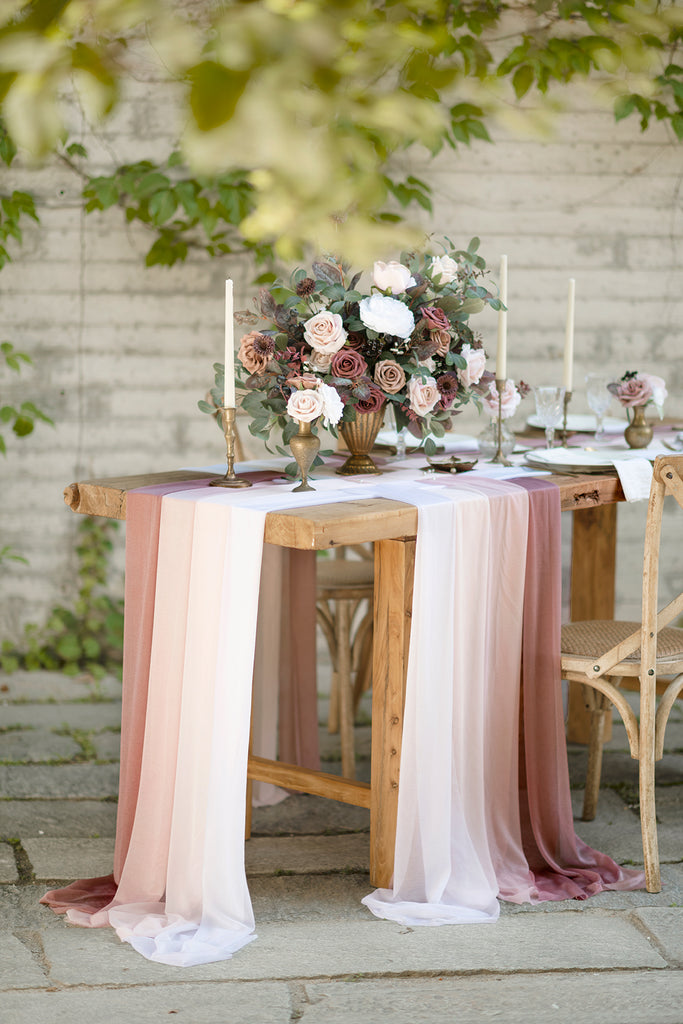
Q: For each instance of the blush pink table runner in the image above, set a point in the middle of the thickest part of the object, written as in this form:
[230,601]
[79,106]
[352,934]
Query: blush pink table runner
[484,808]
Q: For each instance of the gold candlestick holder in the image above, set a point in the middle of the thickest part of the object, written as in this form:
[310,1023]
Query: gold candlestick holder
[563,434]
[230,479]
[499,456]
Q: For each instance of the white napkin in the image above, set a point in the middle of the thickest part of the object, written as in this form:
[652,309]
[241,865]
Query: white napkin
[635,476]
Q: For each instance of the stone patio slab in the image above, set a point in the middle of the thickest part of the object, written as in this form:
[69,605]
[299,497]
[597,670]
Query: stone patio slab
[665,926]
[195,1004]
[64,819]
[60,782]
[70,858]
[18,969]
[8,865]
[307,854]
[337,948]
[618,998]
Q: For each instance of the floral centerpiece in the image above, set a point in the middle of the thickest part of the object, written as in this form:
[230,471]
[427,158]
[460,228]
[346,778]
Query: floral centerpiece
[635,390]
[332,352]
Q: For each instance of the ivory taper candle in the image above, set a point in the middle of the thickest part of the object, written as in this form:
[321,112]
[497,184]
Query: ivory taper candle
[568,374]
[501,353]
[229,385]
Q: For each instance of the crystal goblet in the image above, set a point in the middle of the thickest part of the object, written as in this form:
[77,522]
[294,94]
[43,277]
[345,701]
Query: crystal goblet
[549,409]
[598,398]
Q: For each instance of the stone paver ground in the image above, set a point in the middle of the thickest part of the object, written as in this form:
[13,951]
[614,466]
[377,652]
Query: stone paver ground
[320,956]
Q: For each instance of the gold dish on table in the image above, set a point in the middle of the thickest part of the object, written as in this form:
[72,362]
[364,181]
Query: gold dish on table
[451,465]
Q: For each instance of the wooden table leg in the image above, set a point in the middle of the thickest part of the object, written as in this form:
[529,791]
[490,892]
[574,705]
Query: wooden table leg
[594,545]
[394,566]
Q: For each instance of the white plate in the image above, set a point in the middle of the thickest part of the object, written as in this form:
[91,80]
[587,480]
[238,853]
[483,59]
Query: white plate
[584,423]
[576,460]
[450,442]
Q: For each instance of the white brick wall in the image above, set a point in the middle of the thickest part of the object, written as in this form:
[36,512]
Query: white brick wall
[122,353]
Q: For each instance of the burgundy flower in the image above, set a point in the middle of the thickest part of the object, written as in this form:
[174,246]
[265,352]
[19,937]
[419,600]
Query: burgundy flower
[355,339]
[373,399]
[448,386]
[348,363]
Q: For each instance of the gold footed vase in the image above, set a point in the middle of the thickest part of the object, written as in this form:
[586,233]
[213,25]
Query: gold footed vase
[305,446]
[359,437]
[638,433]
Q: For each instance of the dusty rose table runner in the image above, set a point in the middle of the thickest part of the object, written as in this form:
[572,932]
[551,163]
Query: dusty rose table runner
[484,807]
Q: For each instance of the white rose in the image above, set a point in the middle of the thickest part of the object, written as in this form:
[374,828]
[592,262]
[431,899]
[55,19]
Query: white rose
[333,407]
[392,276]
[387,316]
[304,406]
[659,392]
[422,395]
[325,332]
[476,364]
[445,268]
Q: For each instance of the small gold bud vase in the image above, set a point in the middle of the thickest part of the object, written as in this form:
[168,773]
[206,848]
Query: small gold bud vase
[638,433]
[305,446]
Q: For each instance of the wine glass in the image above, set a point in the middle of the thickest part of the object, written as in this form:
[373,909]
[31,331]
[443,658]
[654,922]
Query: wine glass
[549,409]
[599,399]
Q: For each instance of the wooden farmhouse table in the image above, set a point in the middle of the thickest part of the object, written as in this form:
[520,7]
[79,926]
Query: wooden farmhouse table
[392,526]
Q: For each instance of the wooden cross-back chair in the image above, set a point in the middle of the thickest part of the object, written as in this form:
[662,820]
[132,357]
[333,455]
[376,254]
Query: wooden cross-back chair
[344,609]
[608,657]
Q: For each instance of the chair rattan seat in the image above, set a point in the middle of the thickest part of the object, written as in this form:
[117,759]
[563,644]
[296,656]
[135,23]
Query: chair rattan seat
[591,639]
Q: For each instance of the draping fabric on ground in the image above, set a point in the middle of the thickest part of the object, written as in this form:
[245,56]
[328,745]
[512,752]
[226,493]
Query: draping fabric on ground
[470,825]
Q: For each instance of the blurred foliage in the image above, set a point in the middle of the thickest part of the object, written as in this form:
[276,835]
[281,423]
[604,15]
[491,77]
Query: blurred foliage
[310,98]
[22,419]
[89,636]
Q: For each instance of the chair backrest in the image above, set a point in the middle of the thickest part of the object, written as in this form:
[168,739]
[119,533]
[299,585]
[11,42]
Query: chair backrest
[667,479]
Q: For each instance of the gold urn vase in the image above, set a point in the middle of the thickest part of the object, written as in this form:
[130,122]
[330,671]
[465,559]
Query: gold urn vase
[359,437]
[638,433]
[305,446]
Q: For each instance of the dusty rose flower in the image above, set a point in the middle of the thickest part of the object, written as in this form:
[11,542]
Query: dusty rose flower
[320,361]
[348,363]
[510,400]
[303,380]
[254,352]
[373,400]
[632,392]
[422,395]
[436,318]
[304,406]
[325,332]
[389,376]
[392,276]
[476,364]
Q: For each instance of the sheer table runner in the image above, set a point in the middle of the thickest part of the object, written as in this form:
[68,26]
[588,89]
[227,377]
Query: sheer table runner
[471,826]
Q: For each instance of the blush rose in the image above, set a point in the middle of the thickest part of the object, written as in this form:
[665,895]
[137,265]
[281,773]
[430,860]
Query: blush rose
[325,332]
[422,395]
